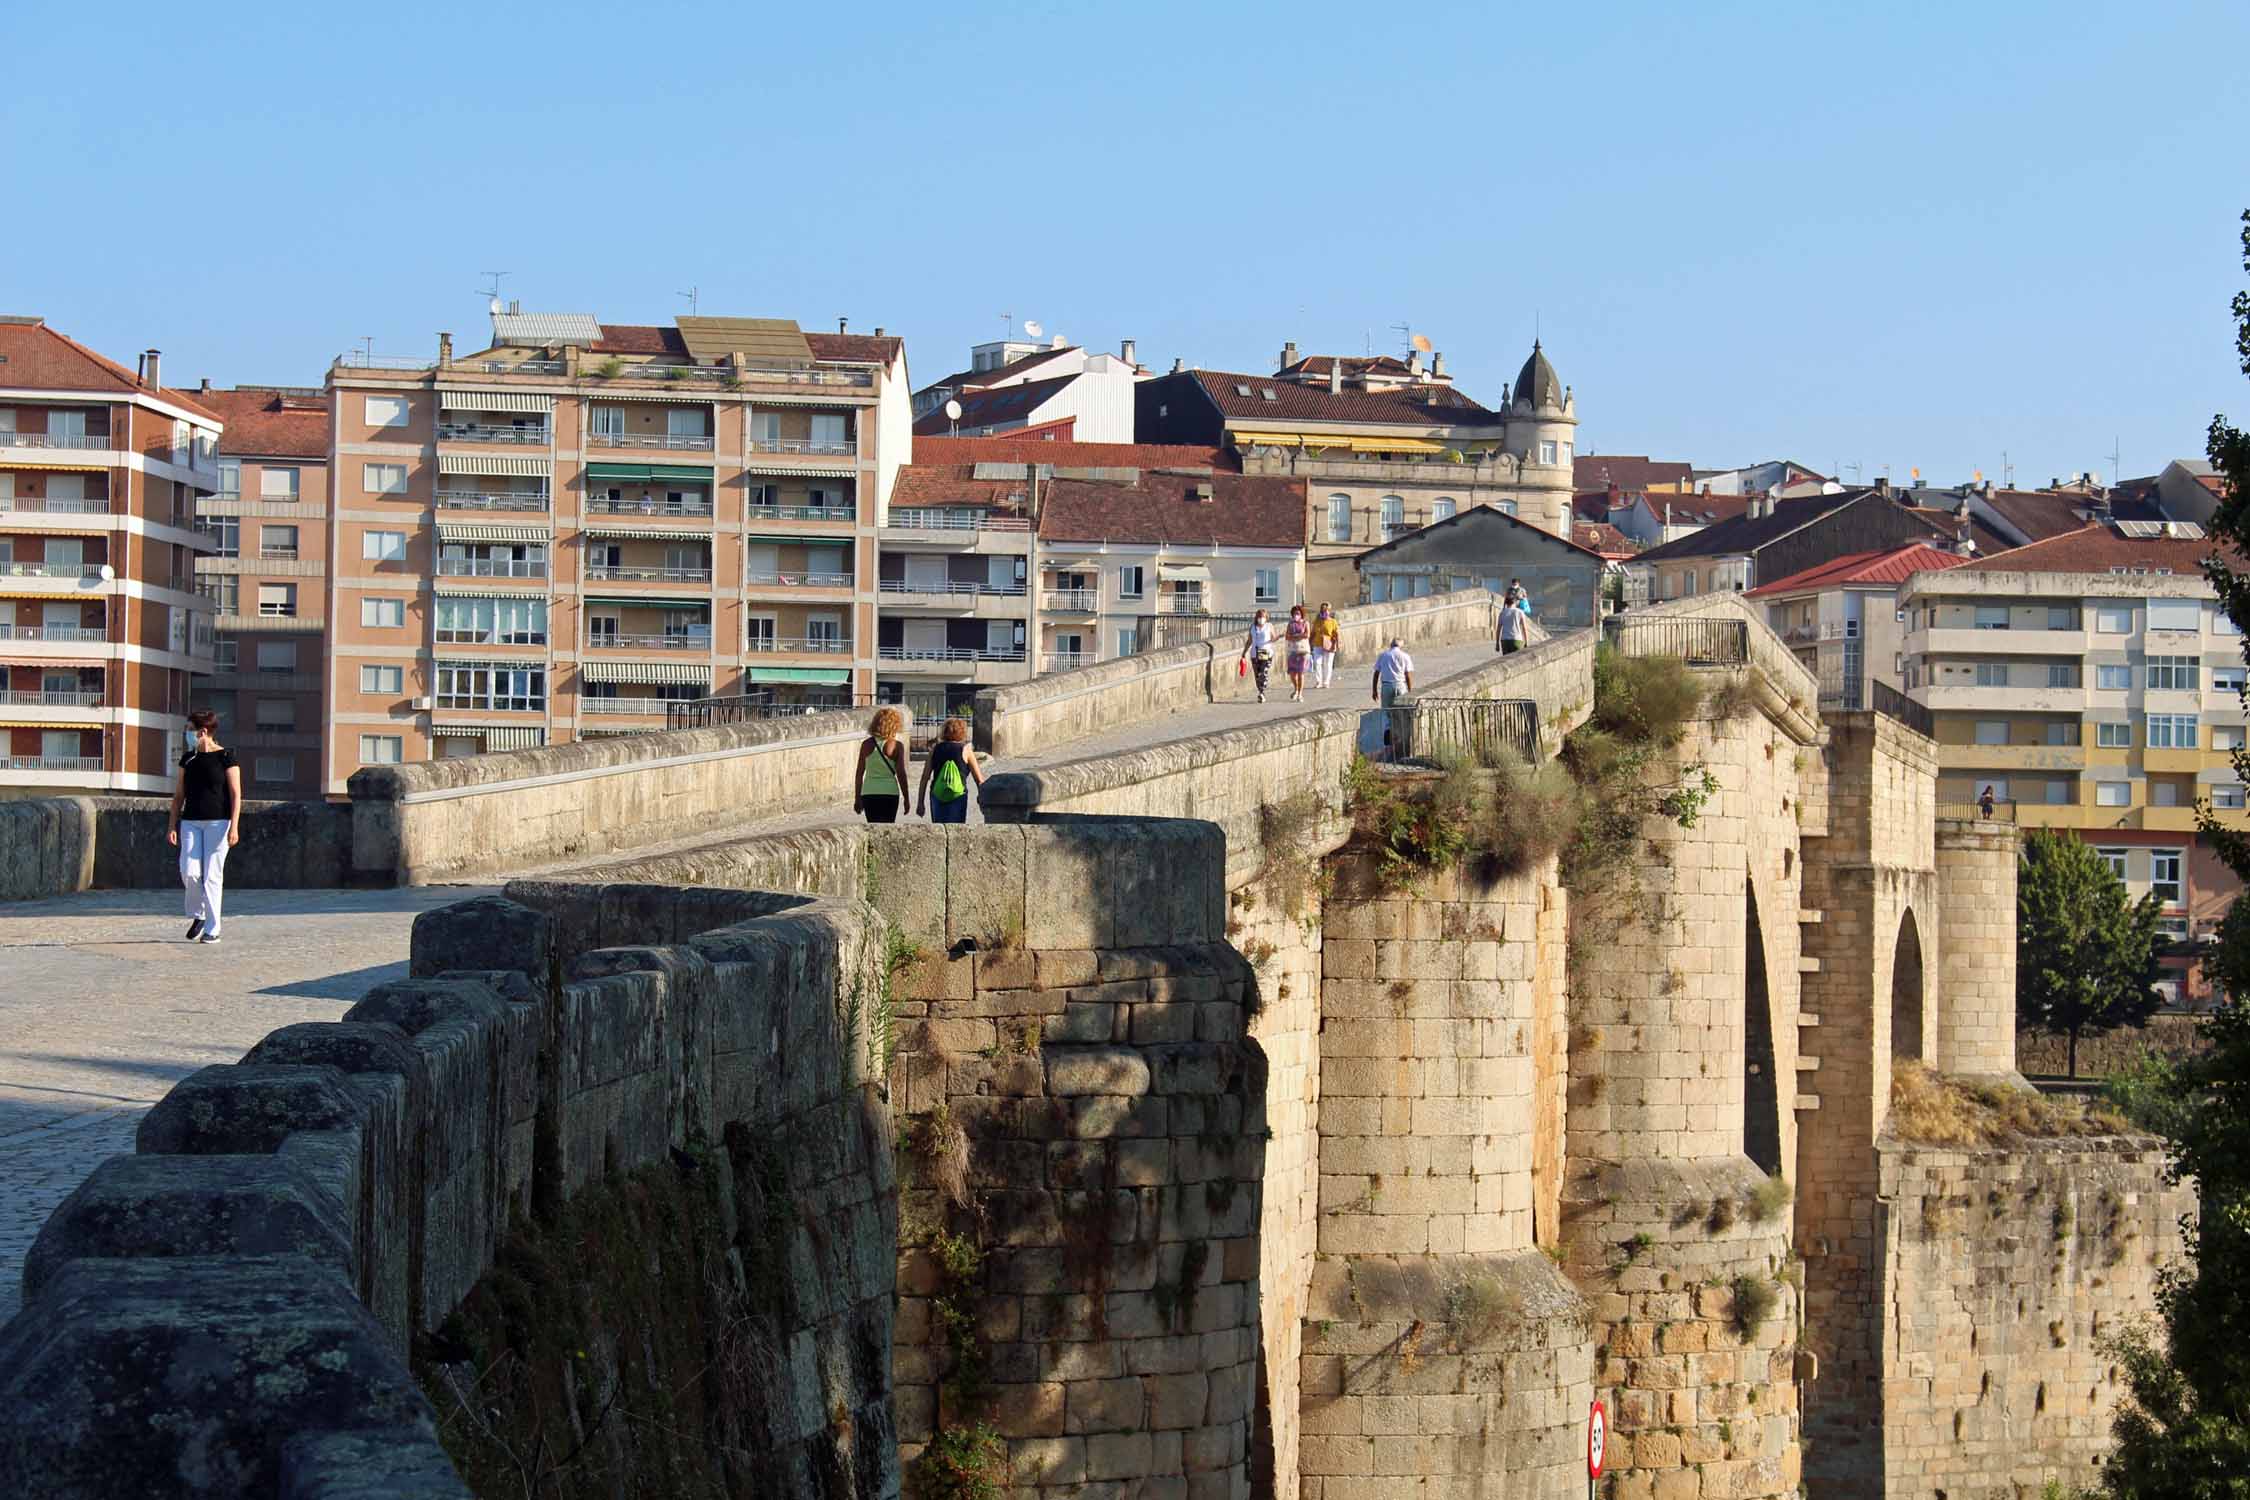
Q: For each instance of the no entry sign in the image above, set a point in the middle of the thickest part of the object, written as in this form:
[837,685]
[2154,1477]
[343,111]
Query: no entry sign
[1597,1438]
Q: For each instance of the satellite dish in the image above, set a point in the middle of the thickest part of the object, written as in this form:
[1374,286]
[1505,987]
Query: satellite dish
[1421,342]
[495,308]
[953,411]
[1031,329]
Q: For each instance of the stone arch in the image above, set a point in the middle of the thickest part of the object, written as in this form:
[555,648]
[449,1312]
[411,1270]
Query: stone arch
[1909,985]
[1761,1089]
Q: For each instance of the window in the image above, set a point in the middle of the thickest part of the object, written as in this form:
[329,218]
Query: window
[382,546]
[2058,793]
[277,713]
[223,590]
[230,479]
[386,411]
[824,632]
[2114,736]
[2113,619]
[1128,641]
[381,749]
[492,622]
[1441,510]
[277,484]
[2226,794]
[2171,731]
[2113,679]
[692,422]
[2175,614]
[2061,617]
[382,679]
[2226,736]
[2062,733]
[759,634]
[277,656]
[1394,516]
[277,599]
[226,531]
[278,542]
[2164,875]
[2113,794]
[2172,673]
[270,769]
[383,479]
[2223,623]
[1339,518]
[1992,674]
[828,433]
[2226,680]
[1549,453]
[2164,794]
[1130,582]
[2062,674]
[2115,859]
[1269,585]
[476,685]
[1992,731]
[1992,617]
[382,614]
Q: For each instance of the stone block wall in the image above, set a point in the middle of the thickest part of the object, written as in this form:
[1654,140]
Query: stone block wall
[2047,1054]
[1976,989]
[58,846]
[2004,1271]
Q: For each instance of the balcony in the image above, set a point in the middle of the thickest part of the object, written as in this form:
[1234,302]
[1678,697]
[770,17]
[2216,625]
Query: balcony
[1183,604]
[72,571]
[620,573]
[656,706]
[760,515]
[668,441]
[689,510]
[94,505]
[488,567]
[491,500]
[277,554]
[1960,641]
[53,633]
[44,698]
[620,641]
[50,763]
[2069,758]
[486,432]
[76,441]
[805,447]
[977,530]
[819,645]
[736,374]
[951,589]
[795,580]
[1068,601]
[1961,697]
[943,654]
[1065,661]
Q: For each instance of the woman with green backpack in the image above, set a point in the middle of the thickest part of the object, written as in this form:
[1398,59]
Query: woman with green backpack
[946,774]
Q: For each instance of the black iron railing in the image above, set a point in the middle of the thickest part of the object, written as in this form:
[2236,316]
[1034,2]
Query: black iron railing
[1482,731]
[1159,632]
[1698,641]
[753,708]
[1885,699]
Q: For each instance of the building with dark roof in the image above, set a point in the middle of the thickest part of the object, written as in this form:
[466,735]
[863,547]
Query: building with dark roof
[1488,549]
[1629,473]
[1059,392]
[103,640]
[1841,617]
[1382,445]
[1774,538]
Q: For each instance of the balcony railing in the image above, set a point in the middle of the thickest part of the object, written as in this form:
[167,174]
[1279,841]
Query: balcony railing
[490,500]
[1184,604]
[799,580]
[953,520]
[658,706]
[53,633]
[77,440]
[675,440]
[1073,601]
[760,514]
[969,587]
[278,554]
[949,653]
[52,763]
[602,505]
[48,570]
[491,567]
[1696,640]
[620,641]
[821,644]
[618,573]
[486,432]
[813,447]
[1065,661]
[47,698]
[718,375]
[56,505]
[277,609]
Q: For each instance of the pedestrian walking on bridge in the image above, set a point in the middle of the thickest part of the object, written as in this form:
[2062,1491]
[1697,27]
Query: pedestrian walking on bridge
[206,822]
[880,774]
[1257,650]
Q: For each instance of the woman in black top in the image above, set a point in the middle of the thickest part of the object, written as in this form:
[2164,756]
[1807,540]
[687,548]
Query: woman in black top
[951,805]
[206,822]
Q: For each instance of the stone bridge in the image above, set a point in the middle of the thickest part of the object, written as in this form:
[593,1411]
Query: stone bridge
[1225,1165]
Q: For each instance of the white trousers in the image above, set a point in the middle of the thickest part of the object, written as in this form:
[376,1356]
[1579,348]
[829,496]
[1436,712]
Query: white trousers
[203,865]
[1323,666]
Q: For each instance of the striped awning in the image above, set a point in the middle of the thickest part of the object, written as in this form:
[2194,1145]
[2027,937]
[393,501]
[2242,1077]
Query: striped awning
[14,660]
[477,463]
[1183,573]
[53,595]
[672,533]
[514,737]
[64,465]
[645,671]
[670,398]
[11,721]
[825,676]
[458,731]
[493,401]
[650,473]
[817,468]
[1070,565]
[459,531]
[611,731]
[76,528]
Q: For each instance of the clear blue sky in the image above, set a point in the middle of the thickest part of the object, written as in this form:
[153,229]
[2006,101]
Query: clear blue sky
[1903,235]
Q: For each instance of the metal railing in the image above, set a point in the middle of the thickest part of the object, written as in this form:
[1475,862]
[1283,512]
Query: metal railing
[53,633]
[491,567]
[2002,812]
[954,520]
[602,505]
[820,645]
[1885,699]
[753,708]
[811,447]
[485,432]
[620,641]
[1065,661]
[1184,604]
[1482,731]
[1696,640]
[1075,601]
[672,440]
[759,515]
[1161,632]
[277,554]
[95,505]
[620,573]
[446,637]
[794,580]
[49,570]
[45,698]
[51,763]
[492,500]
[75,440]
[719,375]
[626,705]
[949,653]
[952,586]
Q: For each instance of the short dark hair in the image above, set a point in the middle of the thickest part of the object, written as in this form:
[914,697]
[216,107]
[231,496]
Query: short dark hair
[204,719]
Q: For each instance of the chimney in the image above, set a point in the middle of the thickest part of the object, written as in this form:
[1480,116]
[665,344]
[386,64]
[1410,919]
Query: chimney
[878,330]
[1125,349]
[151,367]
[205,388]
[840,324]
[1335,377]
[1437,367]
[1883,485]
[1288,354]
[1203,494]
[445,348]
[515,308]
[1179,365]
[1413,361]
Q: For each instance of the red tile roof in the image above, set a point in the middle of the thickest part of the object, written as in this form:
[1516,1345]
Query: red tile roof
[1627,471]
[1007,448]
[1244,511]
[1418,406]
[1600,536]
[1890,565]
[1318,365]
[2100,549]
[40,359]
[845,348]
[268,422]
[855,348]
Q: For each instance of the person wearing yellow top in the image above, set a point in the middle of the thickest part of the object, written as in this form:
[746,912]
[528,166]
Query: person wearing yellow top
[1327,635]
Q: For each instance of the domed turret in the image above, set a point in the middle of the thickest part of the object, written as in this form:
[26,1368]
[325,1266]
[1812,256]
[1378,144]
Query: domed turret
[1536,382]
[1540,422]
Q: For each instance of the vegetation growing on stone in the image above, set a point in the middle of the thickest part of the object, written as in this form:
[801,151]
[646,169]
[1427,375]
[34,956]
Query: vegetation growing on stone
[1769,1198]
[1930,1109]
[963,1463]
[1754,1302]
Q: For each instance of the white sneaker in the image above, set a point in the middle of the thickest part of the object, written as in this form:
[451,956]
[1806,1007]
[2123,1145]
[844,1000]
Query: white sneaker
[208,937]
[1261,697]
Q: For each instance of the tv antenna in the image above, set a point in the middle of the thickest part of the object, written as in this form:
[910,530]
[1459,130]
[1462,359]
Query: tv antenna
[1405,332]
[1008,318]
[2007,471]
[694,299]
[1853,469]
[2116,460]
[492,292]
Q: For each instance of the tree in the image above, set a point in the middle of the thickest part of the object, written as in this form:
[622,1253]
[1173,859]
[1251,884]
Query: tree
[2085,952]
[2185,1434]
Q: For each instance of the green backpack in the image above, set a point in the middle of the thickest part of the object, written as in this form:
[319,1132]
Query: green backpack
[951,784]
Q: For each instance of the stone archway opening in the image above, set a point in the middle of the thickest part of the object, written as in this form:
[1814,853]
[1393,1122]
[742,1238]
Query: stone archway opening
[1906,991]
[1761,1091]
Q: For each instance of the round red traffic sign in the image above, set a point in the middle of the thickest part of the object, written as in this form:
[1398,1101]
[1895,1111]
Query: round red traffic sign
[1597,1438]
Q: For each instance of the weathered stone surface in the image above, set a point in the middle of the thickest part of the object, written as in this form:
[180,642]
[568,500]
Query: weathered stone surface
[485,932]
[1096,1070]
[393,1463]
[230,1109]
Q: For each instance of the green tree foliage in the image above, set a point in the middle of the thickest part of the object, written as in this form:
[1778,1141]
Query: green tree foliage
[2085,952]
[2185,1434]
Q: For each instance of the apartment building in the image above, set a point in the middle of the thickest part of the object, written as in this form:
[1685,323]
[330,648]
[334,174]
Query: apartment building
[1382,445]
[267,582]
[954,610]
[2093,683]
[1842,619]
[1055,391]
[102,635]
[1488,549]
[1777,536]
[563,533]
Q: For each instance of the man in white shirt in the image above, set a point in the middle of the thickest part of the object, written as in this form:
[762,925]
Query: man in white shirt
[1394,674]
[1512,620]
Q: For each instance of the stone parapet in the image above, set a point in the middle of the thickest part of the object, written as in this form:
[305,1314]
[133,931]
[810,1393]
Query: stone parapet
[1976,989]
[58,846]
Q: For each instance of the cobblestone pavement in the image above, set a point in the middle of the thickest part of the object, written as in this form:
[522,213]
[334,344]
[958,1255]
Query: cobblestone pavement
[103,1008]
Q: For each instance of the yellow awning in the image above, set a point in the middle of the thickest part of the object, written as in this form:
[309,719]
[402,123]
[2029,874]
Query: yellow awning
[1397,445]
[10,721]
[66,465]
[1338,440]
